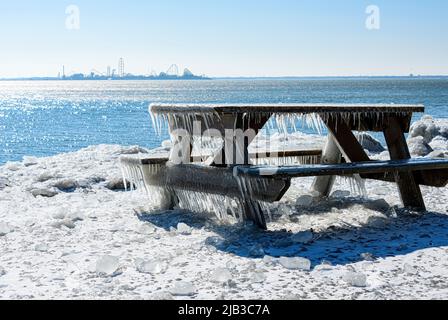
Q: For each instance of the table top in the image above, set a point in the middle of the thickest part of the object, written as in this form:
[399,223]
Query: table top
[284,108]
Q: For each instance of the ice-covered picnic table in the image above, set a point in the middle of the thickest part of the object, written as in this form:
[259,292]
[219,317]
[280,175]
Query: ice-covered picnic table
[230,179]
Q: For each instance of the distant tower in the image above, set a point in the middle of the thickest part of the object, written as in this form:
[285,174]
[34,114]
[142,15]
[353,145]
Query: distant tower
[63,72]
[108,72]
[121,68]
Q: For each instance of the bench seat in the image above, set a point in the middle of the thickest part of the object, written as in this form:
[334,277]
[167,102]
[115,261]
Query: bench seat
[437,167]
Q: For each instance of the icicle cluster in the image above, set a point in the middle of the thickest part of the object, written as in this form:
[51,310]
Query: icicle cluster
[285,161]
[133,172]
[282,121]
[225,208]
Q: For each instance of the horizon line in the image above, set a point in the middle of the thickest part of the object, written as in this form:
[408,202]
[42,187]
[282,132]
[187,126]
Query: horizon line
[242,77]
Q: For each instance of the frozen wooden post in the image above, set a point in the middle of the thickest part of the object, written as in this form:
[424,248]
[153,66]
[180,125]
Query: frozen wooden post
[330,155]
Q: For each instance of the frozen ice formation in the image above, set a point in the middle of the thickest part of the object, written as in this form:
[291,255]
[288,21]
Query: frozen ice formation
[66,184]
[2,271]
[409,269]
[427,135]
[355,279]
[41,247]
[304,201]
[184,289]
[184,229]
[147,229]
[3,183]
[340,194]
[221,275]
[296,263]
[370,143]
[4,229]
[258,276]
[30,161]
[152,266]
[418,146]
[302,237]
[44,192]
[64,223]
[107,266]
[162,296]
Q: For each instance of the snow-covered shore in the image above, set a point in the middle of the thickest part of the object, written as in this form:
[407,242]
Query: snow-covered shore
[69,231]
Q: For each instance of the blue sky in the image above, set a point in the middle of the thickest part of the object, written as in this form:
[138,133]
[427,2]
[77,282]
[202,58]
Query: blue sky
[226,37]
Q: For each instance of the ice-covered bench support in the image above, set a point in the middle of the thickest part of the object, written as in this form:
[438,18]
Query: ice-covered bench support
[201,188]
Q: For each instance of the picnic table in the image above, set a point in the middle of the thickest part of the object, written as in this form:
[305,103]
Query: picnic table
[222,171]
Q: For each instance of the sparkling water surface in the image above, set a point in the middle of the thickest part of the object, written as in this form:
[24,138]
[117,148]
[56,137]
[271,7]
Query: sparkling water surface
[42,118]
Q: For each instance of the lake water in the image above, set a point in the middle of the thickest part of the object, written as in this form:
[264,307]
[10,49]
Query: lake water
[42,118]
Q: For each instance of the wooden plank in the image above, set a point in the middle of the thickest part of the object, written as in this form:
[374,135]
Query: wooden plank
[400,166]
[259,154]
[284,108]
[410,192]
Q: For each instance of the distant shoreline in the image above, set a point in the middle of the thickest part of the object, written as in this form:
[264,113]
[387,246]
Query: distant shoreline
[198,78]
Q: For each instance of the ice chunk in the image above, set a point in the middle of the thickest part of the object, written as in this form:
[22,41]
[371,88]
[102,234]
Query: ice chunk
[41,247]
[340,194]
[378,205]
[302,237]
[60,214]
[13,166]
[355,279]
[407,268]
[269,261]
[3,183]
[153,266]
[117,183]
[256,251]
[2,271]
[29,161]
[147,229]
[370,143]
[76,216]
[439,143]
[64,223]
[419,147]
[66,185]
[107,266]
[258,276]
[438,154]
[44,192]
[4,229]
[184,289]
[162,296]
[304,201]
[296,263]
[367,256]
[221,275]
[184,229]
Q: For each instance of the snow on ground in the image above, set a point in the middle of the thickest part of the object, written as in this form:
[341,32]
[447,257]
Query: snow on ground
[69,231]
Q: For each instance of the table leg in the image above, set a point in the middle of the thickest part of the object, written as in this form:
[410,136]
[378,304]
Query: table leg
[346,140]
[238,132]
[330,154]
[410,192]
